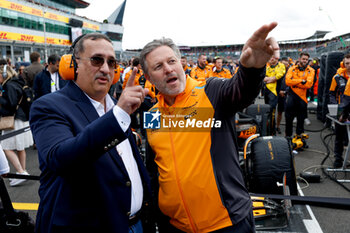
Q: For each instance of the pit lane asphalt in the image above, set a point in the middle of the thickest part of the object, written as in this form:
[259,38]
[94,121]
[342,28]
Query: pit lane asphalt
[330,220]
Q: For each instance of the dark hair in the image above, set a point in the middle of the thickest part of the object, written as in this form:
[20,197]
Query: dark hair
[34,56]
[304,54]
[136,61]
[53,59]
[347,56]
[284,58]
[218,58]
[79,45]
[184,57]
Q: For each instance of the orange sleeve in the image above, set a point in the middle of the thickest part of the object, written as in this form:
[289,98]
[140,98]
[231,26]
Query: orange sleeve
[116,74]
[347,88]
[290,80]
[333,84]
[309,79]
[227,74]
[150,88]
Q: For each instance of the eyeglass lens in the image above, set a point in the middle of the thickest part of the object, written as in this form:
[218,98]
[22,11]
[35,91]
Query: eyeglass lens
[99,61]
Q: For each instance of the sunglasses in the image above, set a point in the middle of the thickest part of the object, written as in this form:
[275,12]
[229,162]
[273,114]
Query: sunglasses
[99,61]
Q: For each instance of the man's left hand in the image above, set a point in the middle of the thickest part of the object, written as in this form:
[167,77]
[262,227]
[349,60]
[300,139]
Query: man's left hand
[258,50]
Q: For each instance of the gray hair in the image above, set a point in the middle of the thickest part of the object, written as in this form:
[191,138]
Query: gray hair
[152,46]
[78,44]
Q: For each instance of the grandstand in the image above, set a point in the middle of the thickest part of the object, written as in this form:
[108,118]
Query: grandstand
[314,45]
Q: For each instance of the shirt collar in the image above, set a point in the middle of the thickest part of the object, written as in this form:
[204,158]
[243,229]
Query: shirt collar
[99,107]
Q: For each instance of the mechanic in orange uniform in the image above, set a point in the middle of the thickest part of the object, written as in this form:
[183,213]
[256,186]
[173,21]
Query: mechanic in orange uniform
[184,64]
[337,94]
[299,78]
[195,173]
[201,71]
[218,70]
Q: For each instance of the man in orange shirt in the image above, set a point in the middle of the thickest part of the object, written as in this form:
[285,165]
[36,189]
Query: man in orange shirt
[196,174]
[201,71]
[338,91]
[299,78]
[218,70]
[184,64]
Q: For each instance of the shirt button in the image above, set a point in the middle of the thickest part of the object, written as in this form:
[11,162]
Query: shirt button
[128,183]
[105,148]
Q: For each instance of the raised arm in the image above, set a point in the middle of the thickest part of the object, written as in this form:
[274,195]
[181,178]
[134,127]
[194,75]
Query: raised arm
[258,50]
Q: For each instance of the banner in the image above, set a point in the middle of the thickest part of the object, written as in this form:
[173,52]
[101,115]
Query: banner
[32,38]
[38,12]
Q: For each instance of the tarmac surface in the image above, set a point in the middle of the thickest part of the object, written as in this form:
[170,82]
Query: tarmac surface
[303,218]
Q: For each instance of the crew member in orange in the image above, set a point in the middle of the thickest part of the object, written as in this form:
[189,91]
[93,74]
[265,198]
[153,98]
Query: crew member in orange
[336,96]
[218,70]
[201,71]
[196,176]
[184,64]
[299,78]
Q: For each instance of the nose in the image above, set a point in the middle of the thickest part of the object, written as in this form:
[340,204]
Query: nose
[105,68]
[167,68]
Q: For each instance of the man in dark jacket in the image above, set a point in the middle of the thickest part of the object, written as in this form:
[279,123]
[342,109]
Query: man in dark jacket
[93,178]
[33,69]
[48,80]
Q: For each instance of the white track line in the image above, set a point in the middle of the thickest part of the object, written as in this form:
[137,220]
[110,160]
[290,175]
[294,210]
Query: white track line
[312,225]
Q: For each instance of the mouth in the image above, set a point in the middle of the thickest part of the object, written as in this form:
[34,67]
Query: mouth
[171,80]
[102,79]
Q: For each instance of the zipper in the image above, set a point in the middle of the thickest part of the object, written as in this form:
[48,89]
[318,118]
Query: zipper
[179,185]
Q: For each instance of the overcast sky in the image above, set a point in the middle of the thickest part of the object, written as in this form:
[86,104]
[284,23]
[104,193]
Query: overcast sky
[219,22]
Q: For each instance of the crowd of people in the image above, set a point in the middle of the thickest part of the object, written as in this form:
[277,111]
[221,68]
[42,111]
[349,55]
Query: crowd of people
[86,124]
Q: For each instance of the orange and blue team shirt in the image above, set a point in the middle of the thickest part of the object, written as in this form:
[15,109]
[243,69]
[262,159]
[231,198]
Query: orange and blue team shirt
[345,104]
[181,176]
[338,85]
[223,73]
[140,80]
[200,74]
[187,70]
[295,77]
[117,72]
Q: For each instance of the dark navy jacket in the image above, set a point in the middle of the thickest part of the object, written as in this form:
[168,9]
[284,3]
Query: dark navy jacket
[42,83]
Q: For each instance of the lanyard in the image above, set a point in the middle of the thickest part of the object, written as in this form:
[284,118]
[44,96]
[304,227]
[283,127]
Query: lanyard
[54,81]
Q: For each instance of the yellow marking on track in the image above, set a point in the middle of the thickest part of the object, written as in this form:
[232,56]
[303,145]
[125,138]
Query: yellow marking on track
[25,206]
